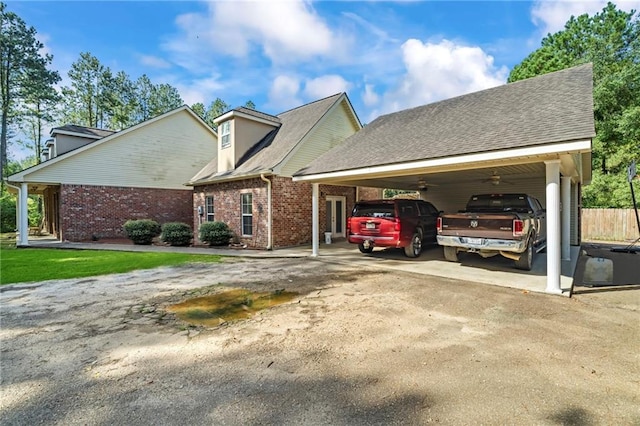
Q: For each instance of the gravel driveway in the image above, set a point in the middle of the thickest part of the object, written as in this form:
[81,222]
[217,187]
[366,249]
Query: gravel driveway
[358,346]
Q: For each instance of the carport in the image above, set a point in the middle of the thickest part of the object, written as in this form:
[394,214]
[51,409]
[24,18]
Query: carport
[531,136]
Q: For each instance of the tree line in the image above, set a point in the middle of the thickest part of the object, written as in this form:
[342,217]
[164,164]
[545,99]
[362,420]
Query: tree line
[96,97]
[610,40]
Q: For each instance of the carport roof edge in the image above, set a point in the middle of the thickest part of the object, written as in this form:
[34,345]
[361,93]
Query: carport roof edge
[549,109]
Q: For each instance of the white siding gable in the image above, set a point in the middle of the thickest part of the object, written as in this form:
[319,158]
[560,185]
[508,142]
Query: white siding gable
[164,153]
[338,124]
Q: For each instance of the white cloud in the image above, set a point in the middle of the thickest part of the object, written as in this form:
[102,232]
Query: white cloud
[550,16]
[286,31]
[203,90]
[324,86]
[370,97]
[154,61]
[436,71]
[44,39]
[377,32]
[284,93]
[194,47]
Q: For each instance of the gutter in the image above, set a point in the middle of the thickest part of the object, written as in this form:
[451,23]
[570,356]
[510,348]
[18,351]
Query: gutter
[269,218]
[230,178]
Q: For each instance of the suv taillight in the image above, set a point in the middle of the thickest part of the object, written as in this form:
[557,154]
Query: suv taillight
[396,225]
[349,226]
[439,225]
[518,227]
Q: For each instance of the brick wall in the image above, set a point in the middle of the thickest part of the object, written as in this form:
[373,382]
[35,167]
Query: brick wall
[291,208]
[366,193]
[291,212]
[227,207]
[87,210]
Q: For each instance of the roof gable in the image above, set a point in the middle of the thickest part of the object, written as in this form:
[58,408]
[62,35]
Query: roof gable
[552,108]
[160,152]
[268,154]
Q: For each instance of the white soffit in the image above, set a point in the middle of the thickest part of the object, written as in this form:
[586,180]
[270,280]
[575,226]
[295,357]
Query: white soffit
[528,154]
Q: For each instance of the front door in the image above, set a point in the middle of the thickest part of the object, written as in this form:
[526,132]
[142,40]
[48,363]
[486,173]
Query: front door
[336,216]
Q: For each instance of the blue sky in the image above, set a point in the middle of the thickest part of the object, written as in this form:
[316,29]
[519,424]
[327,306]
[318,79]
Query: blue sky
[387,56]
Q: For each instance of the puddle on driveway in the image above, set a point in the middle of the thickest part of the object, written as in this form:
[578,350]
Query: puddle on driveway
[230,305]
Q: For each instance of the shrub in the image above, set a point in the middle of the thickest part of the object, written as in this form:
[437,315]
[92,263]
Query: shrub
[7,213]
[142,231]
[176,234]
[215,233]
[8,219]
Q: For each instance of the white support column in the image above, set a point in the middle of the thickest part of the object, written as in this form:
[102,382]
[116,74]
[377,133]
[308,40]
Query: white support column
[315,217]
[565,188]
[553,226]
[23,215]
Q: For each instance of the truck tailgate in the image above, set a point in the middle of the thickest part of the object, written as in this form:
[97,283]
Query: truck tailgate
[499,226]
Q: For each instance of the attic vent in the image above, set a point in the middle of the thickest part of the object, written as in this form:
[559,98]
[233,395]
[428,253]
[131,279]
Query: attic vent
[225,133]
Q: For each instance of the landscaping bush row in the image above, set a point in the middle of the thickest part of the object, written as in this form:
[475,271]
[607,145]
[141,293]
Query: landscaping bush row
[143,231]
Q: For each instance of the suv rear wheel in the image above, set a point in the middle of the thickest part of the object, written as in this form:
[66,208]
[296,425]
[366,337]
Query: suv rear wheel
[364,249]
[415,247]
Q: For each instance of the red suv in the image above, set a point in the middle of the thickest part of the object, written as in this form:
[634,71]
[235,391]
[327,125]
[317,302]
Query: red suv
[396,223]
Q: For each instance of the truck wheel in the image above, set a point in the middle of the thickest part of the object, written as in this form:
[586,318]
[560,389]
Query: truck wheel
[364,249]
[526,259]
[415,247]
[450,253]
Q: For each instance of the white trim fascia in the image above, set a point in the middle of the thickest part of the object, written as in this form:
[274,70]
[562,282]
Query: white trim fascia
[454,162]
[280,165]
[21,175]
[353,111]
[231,114]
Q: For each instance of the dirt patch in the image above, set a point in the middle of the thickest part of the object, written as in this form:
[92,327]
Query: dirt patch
[357,346]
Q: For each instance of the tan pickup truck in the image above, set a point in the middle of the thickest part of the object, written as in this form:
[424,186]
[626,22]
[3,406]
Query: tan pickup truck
[512,225]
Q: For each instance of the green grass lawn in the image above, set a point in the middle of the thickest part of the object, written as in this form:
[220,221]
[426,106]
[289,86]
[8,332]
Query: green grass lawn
[25,265]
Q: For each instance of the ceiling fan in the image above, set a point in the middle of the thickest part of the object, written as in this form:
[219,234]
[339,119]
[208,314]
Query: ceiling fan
[423,185]
[495,179]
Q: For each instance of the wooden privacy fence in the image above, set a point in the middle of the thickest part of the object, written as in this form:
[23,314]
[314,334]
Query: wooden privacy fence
[609,224]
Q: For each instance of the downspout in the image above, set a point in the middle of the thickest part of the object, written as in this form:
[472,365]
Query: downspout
[269,221]
[22,218]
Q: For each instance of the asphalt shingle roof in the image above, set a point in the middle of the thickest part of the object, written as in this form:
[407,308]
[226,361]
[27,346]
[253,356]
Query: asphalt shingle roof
[89,131]
[556,107]
[295,124]
[257,114]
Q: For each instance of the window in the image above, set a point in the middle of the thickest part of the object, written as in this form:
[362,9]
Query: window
[209,208]
[407,210]
[247,214]
[225,133]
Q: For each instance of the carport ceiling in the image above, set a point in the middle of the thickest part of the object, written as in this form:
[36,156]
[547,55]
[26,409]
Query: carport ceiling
[508,175]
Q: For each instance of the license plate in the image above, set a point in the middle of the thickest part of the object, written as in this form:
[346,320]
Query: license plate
[476,241]
[370,225]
